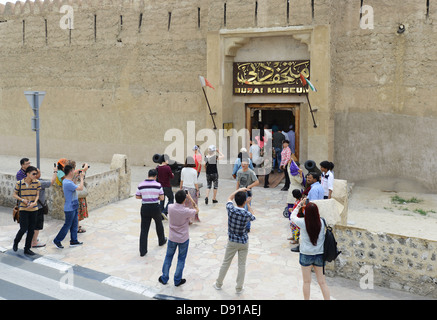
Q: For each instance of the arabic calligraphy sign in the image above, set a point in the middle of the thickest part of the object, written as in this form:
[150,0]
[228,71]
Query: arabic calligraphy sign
[270,78]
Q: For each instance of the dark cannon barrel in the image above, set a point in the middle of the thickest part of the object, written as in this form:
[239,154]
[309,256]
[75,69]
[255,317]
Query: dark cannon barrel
[311,166]
[175,167]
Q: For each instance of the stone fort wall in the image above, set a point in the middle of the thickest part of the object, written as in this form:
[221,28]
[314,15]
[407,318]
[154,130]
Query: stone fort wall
[128,71]
[387,260]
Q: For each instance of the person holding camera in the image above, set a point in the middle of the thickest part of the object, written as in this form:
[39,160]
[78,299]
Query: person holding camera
[238,239]
[246,178]
[71,207]
[42,206]
[81,195]
[178,236]
[212,176]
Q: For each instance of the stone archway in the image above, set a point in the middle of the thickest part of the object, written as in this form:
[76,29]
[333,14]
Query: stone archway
[223,46]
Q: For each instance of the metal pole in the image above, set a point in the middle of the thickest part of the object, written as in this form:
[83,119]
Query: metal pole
[312,112]
[210,112]
[36,112]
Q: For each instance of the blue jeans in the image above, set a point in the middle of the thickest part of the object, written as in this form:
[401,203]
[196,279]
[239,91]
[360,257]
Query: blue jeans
[277,160]
[71,224]
[182,255]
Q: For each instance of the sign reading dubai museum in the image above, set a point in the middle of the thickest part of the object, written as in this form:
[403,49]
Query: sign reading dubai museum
[270,78]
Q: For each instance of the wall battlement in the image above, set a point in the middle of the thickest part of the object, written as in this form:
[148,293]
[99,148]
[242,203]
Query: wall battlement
[28,7]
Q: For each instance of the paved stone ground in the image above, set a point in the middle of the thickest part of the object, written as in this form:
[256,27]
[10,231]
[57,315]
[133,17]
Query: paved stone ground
[111,246]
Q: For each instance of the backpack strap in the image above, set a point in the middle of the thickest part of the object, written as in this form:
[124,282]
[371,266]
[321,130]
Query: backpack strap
[326,226]
[324,221]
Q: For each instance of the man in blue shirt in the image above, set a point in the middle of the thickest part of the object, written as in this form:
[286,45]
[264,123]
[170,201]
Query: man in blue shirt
[21,174]
[238,239]
[316,192]
[71,207]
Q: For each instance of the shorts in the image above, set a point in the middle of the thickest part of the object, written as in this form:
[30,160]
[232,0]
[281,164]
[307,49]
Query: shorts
[306,260]
[210,179]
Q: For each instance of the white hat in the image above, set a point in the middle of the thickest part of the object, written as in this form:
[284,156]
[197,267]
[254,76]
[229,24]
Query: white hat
[243,150]
[212,147]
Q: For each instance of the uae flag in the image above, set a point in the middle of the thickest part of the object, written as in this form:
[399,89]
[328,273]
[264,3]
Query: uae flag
[305,81]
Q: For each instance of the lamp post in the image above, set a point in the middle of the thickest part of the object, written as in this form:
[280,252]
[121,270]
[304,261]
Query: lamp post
[35,99]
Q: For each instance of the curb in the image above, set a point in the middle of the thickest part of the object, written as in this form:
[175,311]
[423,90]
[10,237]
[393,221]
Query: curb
[101,277]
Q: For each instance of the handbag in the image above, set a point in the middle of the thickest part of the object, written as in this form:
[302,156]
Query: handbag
[45,207]
[82,193]
[16,209]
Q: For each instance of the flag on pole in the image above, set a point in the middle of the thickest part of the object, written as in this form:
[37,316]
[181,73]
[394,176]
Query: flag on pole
[205,82]
[305,81]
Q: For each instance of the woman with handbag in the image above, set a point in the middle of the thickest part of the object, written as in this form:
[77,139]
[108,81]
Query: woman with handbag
[42,207]
[81,195]
[27,194]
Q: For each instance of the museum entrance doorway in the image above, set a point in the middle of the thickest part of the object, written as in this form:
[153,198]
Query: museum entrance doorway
[280,115]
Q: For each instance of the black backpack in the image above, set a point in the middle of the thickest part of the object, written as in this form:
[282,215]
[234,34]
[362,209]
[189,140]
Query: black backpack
[330,252]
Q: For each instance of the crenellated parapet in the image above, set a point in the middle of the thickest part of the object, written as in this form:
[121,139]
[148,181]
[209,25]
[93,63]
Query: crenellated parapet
[28,7]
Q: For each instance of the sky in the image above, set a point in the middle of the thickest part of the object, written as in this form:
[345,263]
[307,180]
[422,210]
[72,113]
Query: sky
[4,1]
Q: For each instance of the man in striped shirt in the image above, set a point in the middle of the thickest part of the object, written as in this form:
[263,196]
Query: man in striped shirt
[151,193]
[27,193]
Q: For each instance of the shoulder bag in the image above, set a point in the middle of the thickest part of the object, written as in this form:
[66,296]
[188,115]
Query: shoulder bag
[16,209]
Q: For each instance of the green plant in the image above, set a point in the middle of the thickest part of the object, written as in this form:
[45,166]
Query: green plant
[399,200]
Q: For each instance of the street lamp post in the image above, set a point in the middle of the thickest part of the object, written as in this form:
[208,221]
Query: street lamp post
[35,99]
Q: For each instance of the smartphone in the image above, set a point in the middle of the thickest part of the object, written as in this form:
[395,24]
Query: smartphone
[249,193]
[186,191]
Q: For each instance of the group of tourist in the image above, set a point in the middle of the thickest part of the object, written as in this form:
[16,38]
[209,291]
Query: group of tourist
[29,192]
[304,217]
[182,209]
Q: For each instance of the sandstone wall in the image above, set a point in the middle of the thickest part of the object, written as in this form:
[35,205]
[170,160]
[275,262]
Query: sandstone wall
[384,91]
[128,71]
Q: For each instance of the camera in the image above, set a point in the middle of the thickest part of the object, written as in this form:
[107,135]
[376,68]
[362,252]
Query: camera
[249,193]
[83,166]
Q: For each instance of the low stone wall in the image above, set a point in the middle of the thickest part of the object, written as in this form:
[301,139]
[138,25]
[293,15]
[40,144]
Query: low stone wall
[103,188]
[387,260]
[7,185]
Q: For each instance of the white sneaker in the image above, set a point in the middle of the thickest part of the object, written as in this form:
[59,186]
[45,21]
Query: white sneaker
[216,287]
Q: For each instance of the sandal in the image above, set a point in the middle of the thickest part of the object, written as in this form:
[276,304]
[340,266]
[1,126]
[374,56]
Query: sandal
[39,245]
[80,230]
